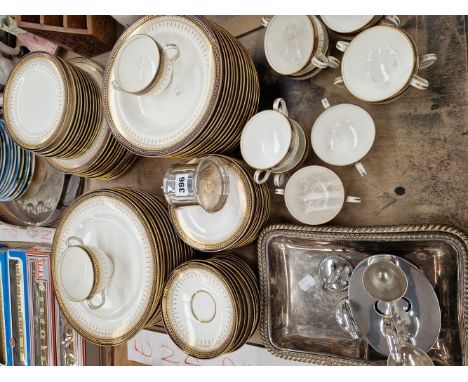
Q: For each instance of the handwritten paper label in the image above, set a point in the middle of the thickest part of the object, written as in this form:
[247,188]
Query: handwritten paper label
[152,348]
[39,235]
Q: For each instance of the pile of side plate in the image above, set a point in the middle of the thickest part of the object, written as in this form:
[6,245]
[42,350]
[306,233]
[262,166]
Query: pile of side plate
[17,167]
[211,307]
[106,158]
[52,107]
[212,93]
[237,223]
[132,227]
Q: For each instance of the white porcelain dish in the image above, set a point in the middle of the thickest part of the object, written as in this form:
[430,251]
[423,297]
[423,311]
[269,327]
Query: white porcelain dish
[205,228]
[314,195]
[137,63]
[37,100]
[346,23]
[154,122]
[343,134]
[378,63]
[109,224]
[200,309]
[266,139]
[289,43]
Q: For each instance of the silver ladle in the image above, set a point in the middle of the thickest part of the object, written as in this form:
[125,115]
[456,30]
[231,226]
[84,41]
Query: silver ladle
[385,281]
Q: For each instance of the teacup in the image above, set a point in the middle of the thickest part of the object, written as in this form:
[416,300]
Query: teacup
[204,183]
[343,134]
[143,65]
[291,45]
[85,272]
[380,63]
[315,195]
[271,142]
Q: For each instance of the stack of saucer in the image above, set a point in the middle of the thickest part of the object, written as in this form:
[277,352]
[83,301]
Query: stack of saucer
[105,158]
[297,46]
[133,229]
[211,307]
[17,167]
[200,107]
[237,223]
[52,107]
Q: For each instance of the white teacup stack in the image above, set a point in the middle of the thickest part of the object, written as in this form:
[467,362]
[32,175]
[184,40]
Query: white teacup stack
[297,46]
[271,142]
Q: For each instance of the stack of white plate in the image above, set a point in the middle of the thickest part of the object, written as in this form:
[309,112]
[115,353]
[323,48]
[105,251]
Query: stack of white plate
[133,228]
[106,158]
[211,307]
[237,223]
[51,106]
[213,91]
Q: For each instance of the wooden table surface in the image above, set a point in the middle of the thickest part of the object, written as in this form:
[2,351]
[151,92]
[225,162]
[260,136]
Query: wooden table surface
[417,168]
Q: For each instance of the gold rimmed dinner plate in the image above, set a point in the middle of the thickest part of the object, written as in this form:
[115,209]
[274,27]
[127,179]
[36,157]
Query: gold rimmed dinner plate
[143,247]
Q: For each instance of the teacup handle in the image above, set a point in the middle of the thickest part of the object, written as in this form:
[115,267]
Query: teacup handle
[333,62]
[339,82]
[261,179]
[74,238]
[342,46]
[97,306]
[419,82]
[394,20]
[280,106]
[172,47]
[427,60]
[265,21]
[362,171]
[353,199]
[320,61]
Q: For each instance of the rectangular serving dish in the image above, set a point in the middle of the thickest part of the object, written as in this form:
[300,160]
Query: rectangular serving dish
[298,316]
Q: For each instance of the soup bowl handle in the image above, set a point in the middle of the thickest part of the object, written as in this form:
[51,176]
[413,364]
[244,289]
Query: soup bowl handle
[261,179]
[353,199]
[362,171]
[342,45]
[427,60]
[265,21]
[280,106]
[279,191]
[394,20]
[339,82]
[419,82]
[333,62]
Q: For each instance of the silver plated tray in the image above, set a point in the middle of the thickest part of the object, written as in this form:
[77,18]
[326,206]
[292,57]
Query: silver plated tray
[298,315]
[49,194]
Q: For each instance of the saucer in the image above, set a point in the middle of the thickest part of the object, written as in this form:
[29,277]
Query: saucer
[266,139]
[378,63]
[314,195]
[343,134]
